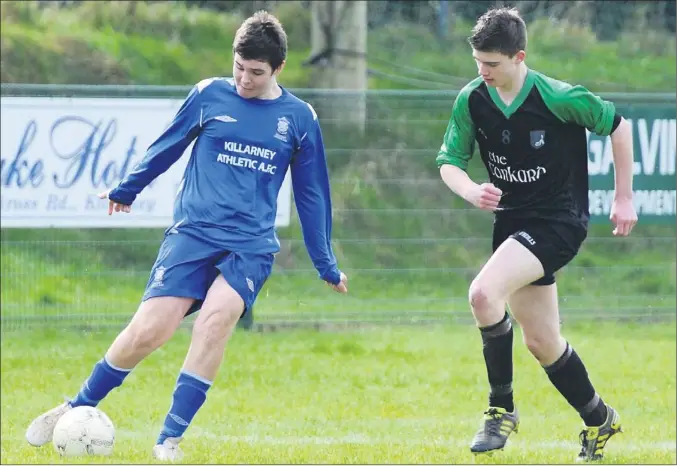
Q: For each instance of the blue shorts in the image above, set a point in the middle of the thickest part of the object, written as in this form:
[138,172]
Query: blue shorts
[186,267]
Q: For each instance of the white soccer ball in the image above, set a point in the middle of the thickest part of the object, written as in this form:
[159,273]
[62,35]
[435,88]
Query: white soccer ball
[84,431]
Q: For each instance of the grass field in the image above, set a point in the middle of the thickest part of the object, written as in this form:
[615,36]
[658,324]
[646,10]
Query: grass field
[98,280]
[383,394]
[167,43]
[379,395]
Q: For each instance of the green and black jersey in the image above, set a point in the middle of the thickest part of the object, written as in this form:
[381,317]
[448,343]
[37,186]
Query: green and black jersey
[535,149]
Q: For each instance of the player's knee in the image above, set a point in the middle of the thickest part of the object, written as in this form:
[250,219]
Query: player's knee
[155,323]
[542,346]
[215,323]
[479,296]
[147,335]
[534,344]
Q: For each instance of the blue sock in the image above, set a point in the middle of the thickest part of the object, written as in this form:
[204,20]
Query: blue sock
[101,381]
[189,394]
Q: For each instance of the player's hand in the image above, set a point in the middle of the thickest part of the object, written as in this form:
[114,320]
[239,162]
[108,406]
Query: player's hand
[623,216]
[114,206]
[342,286]
[485,196]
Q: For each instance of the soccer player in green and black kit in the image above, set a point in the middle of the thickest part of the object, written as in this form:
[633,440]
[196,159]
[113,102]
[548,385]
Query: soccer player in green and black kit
[531,132]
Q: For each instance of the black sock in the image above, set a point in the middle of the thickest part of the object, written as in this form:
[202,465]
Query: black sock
[497,348]
[569,376]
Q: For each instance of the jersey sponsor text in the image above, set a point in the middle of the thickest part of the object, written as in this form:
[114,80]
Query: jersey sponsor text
[498,167]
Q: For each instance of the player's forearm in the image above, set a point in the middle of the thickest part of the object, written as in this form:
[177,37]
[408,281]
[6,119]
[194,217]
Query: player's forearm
[137,180]
[325,264]
[316,227]
[621,143]
[322,257]
[457,180]
[310,182]
[160,156]
[313,205]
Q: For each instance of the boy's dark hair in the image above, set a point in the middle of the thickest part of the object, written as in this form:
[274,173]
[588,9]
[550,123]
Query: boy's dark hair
[499,30]
[261,37]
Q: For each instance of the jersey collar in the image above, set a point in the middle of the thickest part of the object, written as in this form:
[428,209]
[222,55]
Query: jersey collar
[508,110]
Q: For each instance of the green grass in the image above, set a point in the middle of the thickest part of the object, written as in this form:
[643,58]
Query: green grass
[87,281]
[386,395]
[165,43]
[374,396]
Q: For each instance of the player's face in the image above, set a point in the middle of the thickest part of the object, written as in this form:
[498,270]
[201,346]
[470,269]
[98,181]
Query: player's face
[496,69]
[253,78]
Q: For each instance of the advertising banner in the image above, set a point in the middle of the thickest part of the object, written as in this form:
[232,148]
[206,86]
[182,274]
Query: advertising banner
[653,130]
[58,153]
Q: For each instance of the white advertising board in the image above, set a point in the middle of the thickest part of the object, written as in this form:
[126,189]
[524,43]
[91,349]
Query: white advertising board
[58,153]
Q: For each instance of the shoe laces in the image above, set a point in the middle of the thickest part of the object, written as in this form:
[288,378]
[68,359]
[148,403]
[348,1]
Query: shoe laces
[493,421]
[583,439]
[173,442]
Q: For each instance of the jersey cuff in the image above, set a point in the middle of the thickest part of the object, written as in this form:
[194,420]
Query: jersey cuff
[451,160]
[332,276]
[121,196]
[617,121]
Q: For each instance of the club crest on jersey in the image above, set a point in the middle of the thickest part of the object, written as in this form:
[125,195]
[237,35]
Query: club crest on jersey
[158,278]
[537,139]
[282,129]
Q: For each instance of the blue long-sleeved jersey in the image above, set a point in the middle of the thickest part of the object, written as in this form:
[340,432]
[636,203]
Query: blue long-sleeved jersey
[243,148]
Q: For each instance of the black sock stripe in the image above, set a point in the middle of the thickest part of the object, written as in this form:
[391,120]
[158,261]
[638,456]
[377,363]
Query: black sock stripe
[496,330]
[590,406]
[557,365]
[498,390]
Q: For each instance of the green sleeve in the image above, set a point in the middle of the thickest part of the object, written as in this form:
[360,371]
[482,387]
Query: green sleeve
[459,139]
[576,104]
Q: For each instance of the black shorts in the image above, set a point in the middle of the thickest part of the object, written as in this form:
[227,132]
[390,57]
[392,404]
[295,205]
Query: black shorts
[554,243]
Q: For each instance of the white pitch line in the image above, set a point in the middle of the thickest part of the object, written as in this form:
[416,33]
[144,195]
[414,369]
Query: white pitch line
[618,444]
[515,443]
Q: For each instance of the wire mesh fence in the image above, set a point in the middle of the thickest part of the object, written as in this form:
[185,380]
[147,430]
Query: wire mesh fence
[418,45]
[408,245]
[85,283]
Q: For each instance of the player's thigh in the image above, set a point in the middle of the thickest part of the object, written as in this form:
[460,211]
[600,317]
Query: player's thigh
[554,243]
[246,273]
[510,267]
[536,309]
[184,268]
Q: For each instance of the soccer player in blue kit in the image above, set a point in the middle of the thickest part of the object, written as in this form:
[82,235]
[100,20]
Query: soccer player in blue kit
[217,255]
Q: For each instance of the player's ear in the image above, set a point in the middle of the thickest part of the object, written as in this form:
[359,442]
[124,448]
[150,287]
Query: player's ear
[519,57]
[279,69]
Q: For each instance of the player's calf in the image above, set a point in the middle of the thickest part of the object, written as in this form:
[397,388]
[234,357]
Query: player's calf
[189,395]
[211,332]
[570,377]
[214,325]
